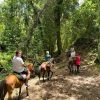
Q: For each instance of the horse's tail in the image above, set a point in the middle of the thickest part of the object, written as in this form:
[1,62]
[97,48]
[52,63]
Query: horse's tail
[3,89]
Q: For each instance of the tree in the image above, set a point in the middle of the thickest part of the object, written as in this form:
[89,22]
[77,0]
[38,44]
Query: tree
[57,14]
[98,4]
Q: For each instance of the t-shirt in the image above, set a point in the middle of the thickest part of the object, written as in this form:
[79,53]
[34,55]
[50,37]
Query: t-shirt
[47,57]
[17,64]
[73,54]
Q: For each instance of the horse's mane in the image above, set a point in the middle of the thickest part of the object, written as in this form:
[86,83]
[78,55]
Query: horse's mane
[29,64]
[51,60]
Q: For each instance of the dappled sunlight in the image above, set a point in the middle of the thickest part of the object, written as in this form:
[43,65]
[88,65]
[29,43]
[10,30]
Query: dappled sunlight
[72,98]
[83,80]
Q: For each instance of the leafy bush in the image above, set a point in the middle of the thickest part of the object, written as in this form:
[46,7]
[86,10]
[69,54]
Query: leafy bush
[5,61]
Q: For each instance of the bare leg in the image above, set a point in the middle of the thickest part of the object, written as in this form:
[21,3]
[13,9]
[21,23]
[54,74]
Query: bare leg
[28,75]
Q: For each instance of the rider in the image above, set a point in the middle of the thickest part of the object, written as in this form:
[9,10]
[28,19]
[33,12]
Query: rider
[19,66]
[47,61]
[72,54]
[47,56]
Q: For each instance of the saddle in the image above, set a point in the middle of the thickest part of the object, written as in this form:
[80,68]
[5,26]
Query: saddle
[19,76]
[44,65]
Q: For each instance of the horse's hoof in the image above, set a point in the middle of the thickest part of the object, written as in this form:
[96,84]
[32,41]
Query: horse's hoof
[27,94]
[43,80]
[18,98]
[48,79]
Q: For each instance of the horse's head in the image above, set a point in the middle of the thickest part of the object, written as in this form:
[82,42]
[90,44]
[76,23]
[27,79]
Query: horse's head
[30,67]
[52,60]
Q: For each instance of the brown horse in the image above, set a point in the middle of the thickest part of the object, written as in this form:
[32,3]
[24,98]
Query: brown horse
[45,67]
[11,82]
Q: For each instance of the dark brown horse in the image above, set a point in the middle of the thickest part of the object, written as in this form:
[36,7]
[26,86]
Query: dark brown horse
[10,83]
[45,68]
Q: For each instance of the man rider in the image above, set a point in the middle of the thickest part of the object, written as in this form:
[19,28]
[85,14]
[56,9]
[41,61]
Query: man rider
[19,66]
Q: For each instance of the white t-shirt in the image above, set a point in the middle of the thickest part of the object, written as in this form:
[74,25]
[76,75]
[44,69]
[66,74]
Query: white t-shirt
[17,64]
[73,54]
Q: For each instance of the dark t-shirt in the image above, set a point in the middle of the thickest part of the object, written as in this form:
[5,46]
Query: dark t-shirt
[47,57]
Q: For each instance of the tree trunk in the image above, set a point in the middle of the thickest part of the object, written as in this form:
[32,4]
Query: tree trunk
[57,24]
[99,30]
[37,22]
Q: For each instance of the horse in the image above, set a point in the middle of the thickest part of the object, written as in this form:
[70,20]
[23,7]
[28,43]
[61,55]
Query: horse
[11,82]
[73,69]
[71,62]
[71,66]
[45,67]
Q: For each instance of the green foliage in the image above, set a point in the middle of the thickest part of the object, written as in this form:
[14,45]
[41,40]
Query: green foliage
[5,59]
[5,64]
[30,26]
[79,22]
[18,16]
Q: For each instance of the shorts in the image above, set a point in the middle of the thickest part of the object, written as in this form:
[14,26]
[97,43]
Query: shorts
[25,71]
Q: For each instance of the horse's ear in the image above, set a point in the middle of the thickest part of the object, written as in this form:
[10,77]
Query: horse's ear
[32,65]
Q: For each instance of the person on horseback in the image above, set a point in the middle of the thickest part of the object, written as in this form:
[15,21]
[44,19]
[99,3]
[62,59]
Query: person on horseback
[73,53]
[71,57]
[47,56]
[19,67]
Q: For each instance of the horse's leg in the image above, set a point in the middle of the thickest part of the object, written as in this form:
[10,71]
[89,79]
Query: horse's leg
[43,75]
[19,93]
[70,67]
[75,69]
[27,91]
[48,72]
[51,74]
[10,88]
[9,94]
[39,75]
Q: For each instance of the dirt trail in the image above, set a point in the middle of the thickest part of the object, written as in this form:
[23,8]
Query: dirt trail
[85,86]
